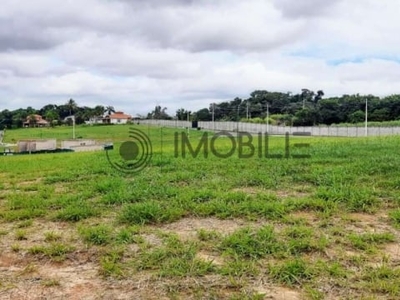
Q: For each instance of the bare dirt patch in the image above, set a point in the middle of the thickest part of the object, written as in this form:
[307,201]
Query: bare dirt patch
[249,190]
[293,192]
[308,216]
[187,228]
[363,223]
[393,251]
[152,239]
[210,257]
[277,293]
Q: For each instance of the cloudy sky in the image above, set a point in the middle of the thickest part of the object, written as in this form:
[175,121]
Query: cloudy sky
[135,54]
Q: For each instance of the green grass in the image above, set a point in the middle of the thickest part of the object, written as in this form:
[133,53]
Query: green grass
[54,251]
[367,241]
[175,259]
[315,225]
[292,272]
[248,243]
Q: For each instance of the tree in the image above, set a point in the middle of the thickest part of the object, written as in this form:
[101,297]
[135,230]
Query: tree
[71,104]
[305,117]
[329,112]
[318,96]
[159,114]
[32,120]
[306,96]
[379,115]
[51,116]
[203,115]
[99,111]
[357,116]
[181,114]
[109,110]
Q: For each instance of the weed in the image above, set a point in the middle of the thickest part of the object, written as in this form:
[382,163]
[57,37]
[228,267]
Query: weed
[110,263]
[248,243]
[237,267]
[52,236]
[76,212]
[20,235]
[124,236]
[302,239]
[25,224]
[148,213]
[395,217]
[174,259]
[55,251]
[383,279]
[208,235]
[97,235]
[248,296]
[367,241]
[51,282]
[16,247]
[292,272]
[21,214]
[28,269]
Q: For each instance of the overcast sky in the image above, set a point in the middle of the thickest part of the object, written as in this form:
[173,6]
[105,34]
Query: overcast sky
[135,54]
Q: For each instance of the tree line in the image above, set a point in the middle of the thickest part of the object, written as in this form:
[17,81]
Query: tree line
[305,108]
[302,109]
[54,114]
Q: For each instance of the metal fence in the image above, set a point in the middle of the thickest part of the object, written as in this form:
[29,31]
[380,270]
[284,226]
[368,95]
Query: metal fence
[279,130]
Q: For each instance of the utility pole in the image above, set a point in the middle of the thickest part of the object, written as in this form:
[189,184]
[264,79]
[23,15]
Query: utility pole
[188,120]
[213,116]
[366,117]
[238,118]
[247,110]
[267,118]
[73,127]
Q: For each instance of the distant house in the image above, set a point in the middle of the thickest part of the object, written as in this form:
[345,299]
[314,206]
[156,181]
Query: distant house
[96,120]
[119,118]
[37,122]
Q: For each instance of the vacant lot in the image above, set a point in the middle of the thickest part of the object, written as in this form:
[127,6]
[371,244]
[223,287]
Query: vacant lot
[325,227]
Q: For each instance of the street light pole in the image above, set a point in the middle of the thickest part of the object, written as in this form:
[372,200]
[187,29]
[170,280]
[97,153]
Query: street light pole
[267,118]
[213,116]
[238,118]
[73,127]
[188,122]
[366,117]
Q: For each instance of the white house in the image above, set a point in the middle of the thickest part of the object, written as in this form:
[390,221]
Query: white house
[119,118]
[96,120]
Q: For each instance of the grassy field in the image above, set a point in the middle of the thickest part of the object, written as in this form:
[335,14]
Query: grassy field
[324,227]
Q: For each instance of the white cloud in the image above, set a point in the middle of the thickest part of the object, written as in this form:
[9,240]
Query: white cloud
[176,53]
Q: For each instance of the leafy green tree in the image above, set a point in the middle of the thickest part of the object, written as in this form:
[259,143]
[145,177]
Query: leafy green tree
[329,112]
[32,120]
[51,116]
[99,111]
[357,116]
[181,114]
[159,114]
[380,115]
[305,117]
[203,115]
[72,106]
[109,110]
